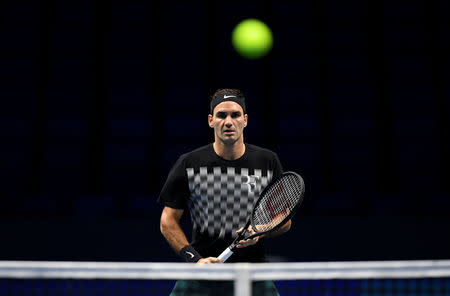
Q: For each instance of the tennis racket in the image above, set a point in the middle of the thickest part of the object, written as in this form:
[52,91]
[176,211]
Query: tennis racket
[276,204]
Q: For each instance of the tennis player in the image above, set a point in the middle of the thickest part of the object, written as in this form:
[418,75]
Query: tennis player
[219,183]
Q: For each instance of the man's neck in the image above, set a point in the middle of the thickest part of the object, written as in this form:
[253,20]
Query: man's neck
[229,152]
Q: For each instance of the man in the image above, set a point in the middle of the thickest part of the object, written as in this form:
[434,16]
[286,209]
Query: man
[219,183]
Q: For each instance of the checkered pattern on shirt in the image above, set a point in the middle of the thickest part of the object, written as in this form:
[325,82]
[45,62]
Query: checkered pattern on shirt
[222,199]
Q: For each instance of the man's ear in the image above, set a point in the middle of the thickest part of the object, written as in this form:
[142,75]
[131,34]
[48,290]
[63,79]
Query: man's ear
[245,120]
[210,121]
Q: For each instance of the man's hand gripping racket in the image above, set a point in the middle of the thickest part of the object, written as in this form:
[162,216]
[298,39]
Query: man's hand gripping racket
[275,206]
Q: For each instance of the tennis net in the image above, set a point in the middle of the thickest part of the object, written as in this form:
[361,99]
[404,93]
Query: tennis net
[415,278]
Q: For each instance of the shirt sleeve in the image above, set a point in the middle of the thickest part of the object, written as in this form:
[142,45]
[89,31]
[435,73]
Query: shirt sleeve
[175,192]
[277,168]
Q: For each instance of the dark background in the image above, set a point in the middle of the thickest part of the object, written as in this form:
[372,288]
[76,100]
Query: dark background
[99,100]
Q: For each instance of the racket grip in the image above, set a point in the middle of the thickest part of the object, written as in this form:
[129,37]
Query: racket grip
[225,254]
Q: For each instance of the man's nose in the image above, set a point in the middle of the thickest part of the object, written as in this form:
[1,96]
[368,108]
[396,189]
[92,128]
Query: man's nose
[228,122]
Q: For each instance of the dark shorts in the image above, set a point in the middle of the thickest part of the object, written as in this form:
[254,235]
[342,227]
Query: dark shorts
[220,288]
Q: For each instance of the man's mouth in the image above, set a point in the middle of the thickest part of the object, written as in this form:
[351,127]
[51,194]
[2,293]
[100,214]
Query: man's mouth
[228,131]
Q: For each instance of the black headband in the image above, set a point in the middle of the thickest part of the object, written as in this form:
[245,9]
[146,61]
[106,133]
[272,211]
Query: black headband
[217,99]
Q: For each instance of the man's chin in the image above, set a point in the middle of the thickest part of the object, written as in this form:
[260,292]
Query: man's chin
[229,140]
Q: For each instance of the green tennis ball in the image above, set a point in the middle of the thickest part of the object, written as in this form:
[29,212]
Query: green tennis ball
[252,38]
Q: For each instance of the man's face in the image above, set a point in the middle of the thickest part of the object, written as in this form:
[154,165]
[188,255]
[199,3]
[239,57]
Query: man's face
[228,122]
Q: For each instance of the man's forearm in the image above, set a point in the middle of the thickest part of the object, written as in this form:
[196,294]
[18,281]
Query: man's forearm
[171,229]
[283,229]
[174,235]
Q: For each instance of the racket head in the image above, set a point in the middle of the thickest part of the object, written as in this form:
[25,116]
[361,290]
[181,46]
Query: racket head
[277,203]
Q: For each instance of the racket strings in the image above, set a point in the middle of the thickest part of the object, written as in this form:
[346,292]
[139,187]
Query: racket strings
[278,202]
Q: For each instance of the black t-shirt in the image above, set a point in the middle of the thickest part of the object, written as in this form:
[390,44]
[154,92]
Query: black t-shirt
[220,195]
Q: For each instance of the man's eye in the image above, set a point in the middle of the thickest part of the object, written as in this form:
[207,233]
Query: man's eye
[220,115]
[236,115]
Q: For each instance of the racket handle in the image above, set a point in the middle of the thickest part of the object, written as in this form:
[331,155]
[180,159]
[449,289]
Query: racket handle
[225,254]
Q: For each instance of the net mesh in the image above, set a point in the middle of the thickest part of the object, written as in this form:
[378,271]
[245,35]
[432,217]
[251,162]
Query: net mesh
[277,202]
[366,287]
[363,279]
[66,287]
[354,287]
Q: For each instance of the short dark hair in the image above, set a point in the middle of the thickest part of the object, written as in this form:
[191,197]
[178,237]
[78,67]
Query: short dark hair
[227,94]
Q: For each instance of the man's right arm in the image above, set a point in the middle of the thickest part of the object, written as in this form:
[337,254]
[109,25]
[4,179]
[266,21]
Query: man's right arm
[171,229]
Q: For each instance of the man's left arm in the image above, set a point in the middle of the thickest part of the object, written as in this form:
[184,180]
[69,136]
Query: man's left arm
[252,241]
[285,228]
